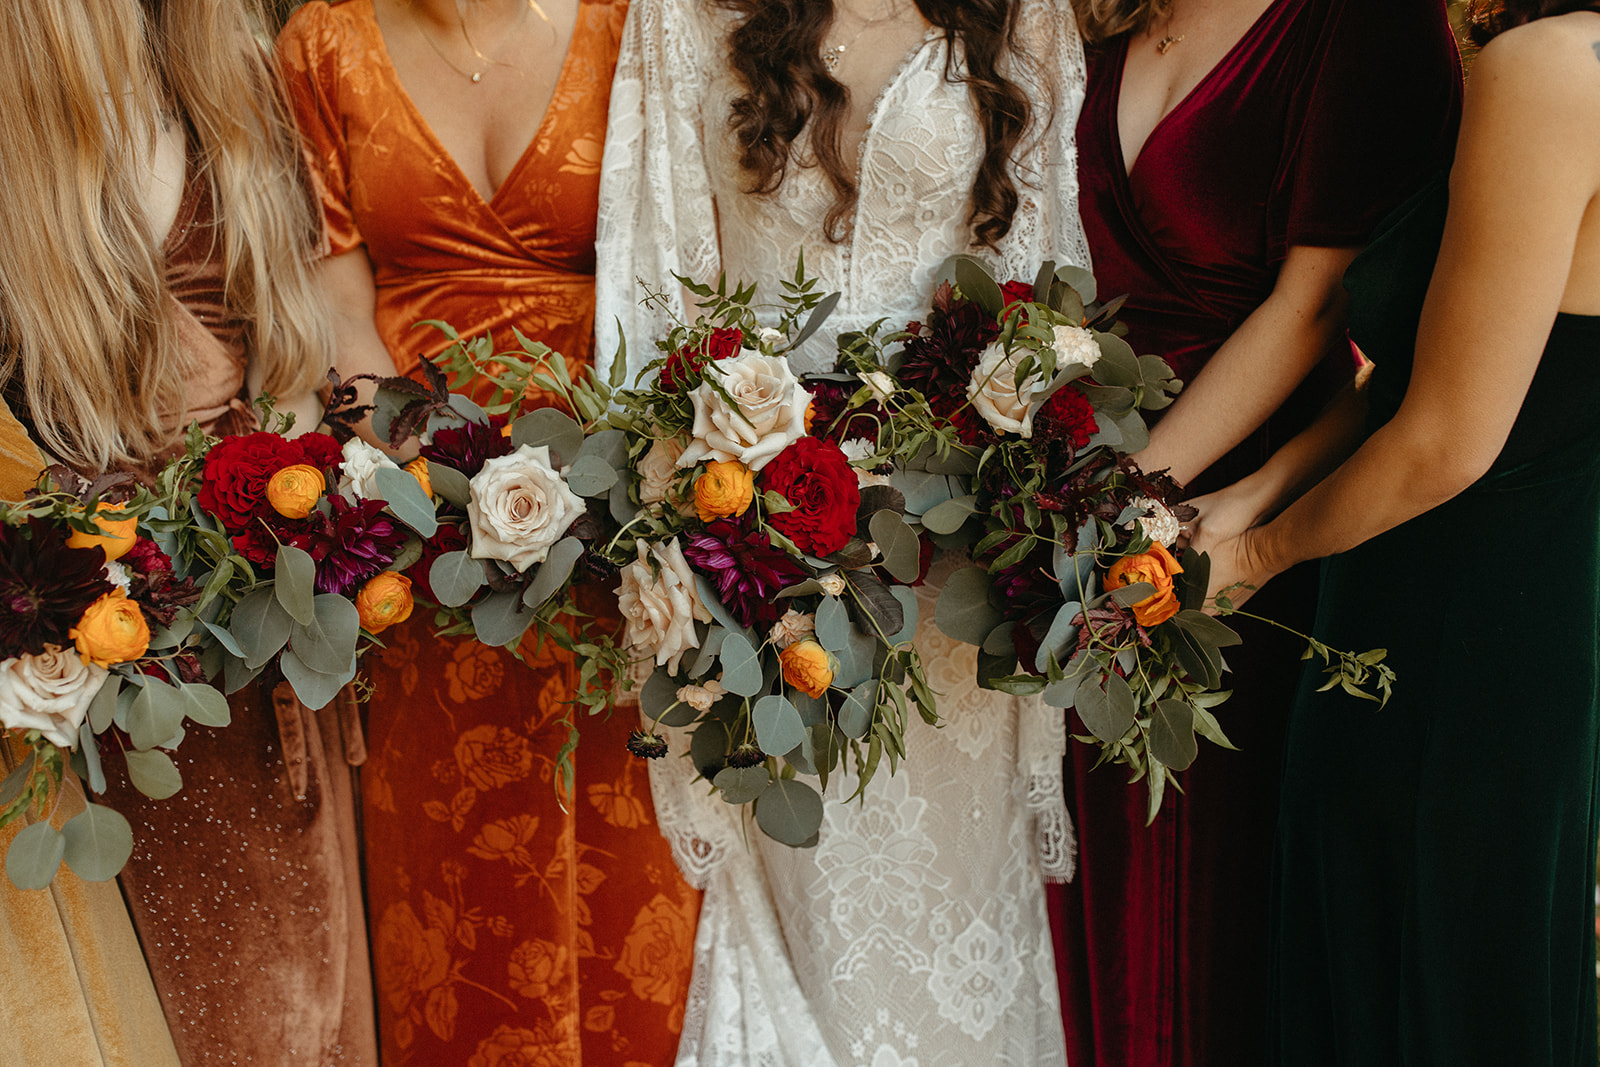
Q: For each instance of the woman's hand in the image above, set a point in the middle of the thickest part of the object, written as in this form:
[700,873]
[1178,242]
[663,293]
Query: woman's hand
[1237,567]
[1226,514]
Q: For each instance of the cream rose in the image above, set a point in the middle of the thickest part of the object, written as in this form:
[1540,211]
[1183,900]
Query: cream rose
[358,471]
[49,692]
[658,470]
[697,697]
[519,507]
[832,584]
[770,415]
[1074,344]
[792,627]
[1006,406]
[660,610]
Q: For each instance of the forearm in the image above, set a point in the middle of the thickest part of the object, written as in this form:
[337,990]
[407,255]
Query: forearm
[1312,454]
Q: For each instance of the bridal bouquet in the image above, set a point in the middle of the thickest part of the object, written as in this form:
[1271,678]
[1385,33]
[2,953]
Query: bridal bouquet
[765,561]
[101,630]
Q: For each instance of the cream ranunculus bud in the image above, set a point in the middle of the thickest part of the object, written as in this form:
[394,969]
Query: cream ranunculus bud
[660,610]
[832,584]
[880,382]
[770,415]
[1006,406]
[792,627]
[658,470]
[1074,344]
[49,692]
[768,337]
[358,470]
[520,507]
[697,697]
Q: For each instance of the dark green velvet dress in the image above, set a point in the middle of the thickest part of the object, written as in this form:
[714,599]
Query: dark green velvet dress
[1434,885]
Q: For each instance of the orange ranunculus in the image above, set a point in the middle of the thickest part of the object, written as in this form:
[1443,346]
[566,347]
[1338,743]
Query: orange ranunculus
[1157,567]
[384,601]
[418,469]
[811,415]
[725,489]
[116,535]
[808,667]
[111,630]
[294,491]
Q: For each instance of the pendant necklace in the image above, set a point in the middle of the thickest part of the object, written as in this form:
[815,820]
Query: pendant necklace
[473,76]
[1167,41]
[832,54]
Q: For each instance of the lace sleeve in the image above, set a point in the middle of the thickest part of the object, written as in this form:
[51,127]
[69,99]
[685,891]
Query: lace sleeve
[657,216]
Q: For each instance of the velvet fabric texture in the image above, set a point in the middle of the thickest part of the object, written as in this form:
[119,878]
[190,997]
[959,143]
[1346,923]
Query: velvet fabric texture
[1322,118]
[509,926]
[1434,898]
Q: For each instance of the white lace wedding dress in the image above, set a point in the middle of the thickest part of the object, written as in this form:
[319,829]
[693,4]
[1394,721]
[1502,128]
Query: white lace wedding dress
[915,933]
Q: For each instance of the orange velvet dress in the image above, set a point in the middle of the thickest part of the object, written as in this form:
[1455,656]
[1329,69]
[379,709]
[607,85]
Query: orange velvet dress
[507,927]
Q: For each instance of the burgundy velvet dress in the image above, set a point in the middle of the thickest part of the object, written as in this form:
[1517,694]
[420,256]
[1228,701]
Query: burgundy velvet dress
[1324,116]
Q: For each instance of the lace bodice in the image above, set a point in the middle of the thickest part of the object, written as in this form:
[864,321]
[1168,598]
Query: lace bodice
[672,189]
[915,934]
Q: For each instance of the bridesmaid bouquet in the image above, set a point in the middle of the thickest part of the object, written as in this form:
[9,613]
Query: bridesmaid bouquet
[103,628]
[765,561]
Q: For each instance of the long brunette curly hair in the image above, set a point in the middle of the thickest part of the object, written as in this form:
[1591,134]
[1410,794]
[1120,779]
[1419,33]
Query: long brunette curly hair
[776,51]
[1488,18]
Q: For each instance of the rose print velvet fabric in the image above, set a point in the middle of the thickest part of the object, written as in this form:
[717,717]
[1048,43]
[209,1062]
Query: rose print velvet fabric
[508,927]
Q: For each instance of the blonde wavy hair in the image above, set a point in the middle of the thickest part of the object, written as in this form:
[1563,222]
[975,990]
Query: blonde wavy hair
[86,341]
[1101,20]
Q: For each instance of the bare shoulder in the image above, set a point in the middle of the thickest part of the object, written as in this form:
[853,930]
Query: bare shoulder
[1550,57]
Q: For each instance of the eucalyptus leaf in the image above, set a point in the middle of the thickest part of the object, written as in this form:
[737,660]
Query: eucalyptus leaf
[314,689]
[963,612]
[779,727]
[658,700]
[155,715]
[950,516]
[899,545]
[591,476]
[741,667]
[789,811]
[856,660]
[294,582]
[549,427]
[706,656]
[501,618]
[553,572]
[225,639]
[11,787]
[328,643]
[103,708]
[741,785]
[708,748]
[832,624]
[97,843]
[623,507]
[260,625]
[713,603]
[1210,630]
[1061,638]
[810,585]
[1106,707]
[813,710]
[909,611]
[463,406]
[1172,734]
[236,674]
[34,855]
[449,484]
[204,705]
[403,494]
[96,774]
[858,709]
[153,773]
[456,577]
[923,490]
[976,283]
[611,446]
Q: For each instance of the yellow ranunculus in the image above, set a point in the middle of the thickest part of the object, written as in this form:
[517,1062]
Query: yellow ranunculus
[418,469]
[725,489]
[294,491]
[116,537]
[808,667]
[112,630]
[384,601]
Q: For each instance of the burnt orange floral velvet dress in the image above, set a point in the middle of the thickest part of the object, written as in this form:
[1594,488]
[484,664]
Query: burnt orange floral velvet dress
[506,930]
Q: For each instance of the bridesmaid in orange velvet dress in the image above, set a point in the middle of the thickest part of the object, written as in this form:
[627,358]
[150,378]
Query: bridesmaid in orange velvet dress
[508,927]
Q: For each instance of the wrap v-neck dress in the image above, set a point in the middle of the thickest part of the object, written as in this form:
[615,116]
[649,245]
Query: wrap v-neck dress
[1323,117]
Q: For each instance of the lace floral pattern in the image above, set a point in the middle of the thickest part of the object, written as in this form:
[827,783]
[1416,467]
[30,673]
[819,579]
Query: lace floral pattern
[914,934]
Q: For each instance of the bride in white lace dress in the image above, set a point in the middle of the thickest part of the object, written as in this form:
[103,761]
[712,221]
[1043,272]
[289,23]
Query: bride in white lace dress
[914,934]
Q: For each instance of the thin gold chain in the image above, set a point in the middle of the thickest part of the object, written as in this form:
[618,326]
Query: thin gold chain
[833,53]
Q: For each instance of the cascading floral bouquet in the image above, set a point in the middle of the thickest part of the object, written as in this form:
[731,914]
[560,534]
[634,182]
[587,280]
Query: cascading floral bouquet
[101,640]
[765,564]
[1033,403]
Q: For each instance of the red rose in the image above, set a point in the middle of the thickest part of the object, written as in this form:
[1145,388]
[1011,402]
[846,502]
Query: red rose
[1066,416]
[234,485]
[1017,292]
[724,342]
[449,538]
[815,477]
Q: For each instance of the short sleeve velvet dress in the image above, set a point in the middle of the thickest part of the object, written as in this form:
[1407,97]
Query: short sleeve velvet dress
[1322,118]
[508,927]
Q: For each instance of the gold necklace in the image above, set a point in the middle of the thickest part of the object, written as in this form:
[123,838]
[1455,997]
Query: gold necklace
[833,53]
[474,76]
[1167,41]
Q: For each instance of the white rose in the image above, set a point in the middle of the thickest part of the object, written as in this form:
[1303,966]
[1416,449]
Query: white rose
[768,338]
[1074,344]
[658,470]
[881,384]
[832,584]
[1157,523]
[49,692]
[660,610]
[117,575]
[792,627]
[1006,406]
[697,697]
[770,415]
[359,470]
[519,507]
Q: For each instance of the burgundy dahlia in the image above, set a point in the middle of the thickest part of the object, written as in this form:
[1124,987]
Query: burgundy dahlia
[44,586]
[745,568]
[940,356]
[350,544]
[830,400]
[467,448]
